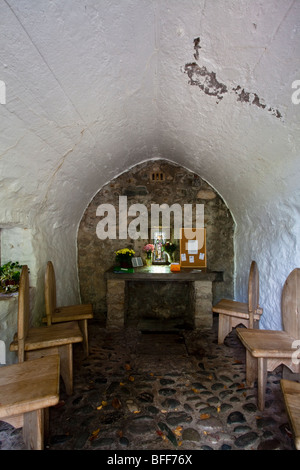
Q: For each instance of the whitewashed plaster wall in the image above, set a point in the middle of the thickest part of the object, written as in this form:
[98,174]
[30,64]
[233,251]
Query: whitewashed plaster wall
[95,87]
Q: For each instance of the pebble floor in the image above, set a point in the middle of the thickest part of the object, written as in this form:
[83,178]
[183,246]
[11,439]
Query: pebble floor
[165,392]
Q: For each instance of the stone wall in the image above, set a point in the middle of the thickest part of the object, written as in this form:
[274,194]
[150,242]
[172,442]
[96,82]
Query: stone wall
[174,184]
[155,301]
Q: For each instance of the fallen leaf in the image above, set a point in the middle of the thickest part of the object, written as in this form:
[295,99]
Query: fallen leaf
[163,411]
[204,416]
[131,378]
[160,433]
[218,409]
[136,411]
[94,434]
[99,407]
[178,430]
[195,390]
[242,385]
[127,366]
[179,443]
[116,403]
[104,403]
[122,383]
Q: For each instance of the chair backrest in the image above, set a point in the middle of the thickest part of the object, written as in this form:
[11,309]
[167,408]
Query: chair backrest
[50,292]
[290,304]
[253,288]
[23,312]
[253,292]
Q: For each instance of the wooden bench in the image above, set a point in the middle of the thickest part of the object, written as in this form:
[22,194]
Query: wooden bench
[233,313]
[27,390]
[291,395]
[81,312]
[32,343]
[267,349]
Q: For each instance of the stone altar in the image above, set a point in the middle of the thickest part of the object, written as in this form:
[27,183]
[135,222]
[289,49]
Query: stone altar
[201,280]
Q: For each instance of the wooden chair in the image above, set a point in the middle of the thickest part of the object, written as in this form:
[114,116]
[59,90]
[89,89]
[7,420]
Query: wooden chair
[233,313]
[291,395]
[27,390]
[33,343]
[267,349]
[81,312]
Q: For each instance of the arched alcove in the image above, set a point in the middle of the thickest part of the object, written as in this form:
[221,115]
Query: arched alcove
[173,185]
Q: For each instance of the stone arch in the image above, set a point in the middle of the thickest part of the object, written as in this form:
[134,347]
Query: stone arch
[175,184]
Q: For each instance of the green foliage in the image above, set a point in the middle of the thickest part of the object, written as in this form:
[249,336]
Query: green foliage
[10,276]
[169,247]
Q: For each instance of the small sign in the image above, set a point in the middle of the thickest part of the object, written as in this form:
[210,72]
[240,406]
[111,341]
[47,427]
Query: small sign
[137,262]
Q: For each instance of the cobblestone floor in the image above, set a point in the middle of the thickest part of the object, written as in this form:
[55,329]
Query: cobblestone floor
[164,392]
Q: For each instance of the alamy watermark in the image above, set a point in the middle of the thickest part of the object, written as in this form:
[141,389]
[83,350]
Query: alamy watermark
[138,227]
[296,94]
[2,92]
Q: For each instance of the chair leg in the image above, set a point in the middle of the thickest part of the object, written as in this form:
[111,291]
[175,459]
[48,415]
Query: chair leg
[251,369]
[262,382]
[33,430]
[83,325]
[224,327]
[66,366]
[46,426]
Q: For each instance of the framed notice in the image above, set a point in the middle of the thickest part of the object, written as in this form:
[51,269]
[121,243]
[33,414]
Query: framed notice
[193,248]
[137,262]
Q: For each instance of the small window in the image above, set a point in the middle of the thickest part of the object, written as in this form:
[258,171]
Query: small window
[157,176]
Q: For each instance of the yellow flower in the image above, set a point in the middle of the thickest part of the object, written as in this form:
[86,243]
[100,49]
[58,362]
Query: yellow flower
[125,251]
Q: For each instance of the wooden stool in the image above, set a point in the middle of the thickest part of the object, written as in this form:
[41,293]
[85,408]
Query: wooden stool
[81,312]
[267,349]
[232,313]
[291,395]
[26,392]
[32,343]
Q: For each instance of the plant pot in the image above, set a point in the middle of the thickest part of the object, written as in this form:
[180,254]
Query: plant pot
[125,264]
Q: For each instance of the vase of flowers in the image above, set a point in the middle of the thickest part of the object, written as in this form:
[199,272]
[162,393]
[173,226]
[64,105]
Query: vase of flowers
[123,257]
[170,248]
[148,249]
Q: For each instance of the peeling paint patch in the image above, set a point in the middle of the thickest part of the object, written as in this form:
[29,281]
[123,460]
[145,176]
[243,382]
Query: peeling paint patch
[205,80]
[245,96]
[252,98]
[208,83]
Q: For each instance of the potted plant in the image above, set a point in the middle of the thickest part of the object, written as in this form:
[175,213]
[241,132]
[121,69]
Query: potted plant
[10,276]
[123,257]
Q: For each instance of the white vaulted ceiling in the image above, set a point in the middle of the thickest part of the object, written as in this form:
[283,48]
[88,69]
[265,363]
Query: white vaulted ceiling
[94,87]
